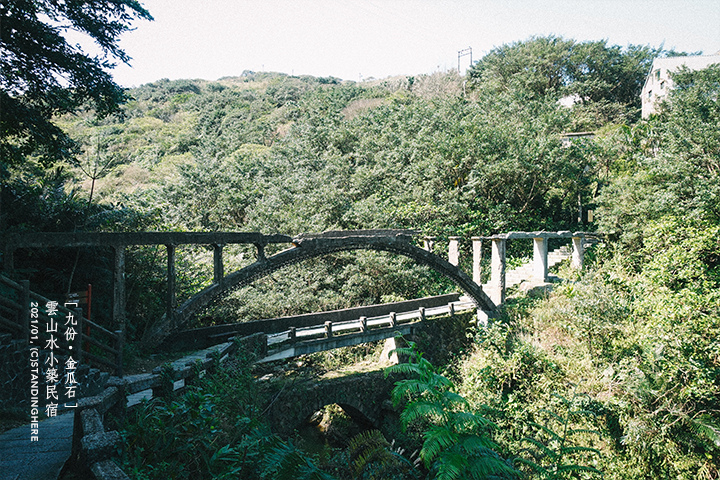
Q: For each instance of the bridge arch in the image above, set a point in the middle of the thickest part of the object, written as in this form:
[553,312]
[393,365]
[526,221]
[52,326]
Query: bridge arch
[305,248]
[364,397]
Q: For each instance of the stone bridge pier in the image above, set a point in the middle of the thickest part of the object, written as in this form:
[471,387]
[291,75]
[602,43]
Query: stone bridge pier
[365,397]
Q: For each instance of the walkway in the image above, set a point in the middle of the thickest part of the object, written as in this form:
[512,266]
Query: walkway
[21,459]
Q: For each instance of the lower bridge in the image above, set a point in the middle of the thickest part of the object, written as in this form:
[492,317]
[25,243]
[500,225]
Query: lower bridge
[365,397]
[293,336]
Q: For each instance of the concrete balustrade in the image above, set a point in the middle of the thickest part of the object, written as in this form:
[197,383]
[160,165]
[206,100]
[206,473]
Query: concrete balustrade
[497,271]
[540,264]
[477,259]
[540,259]
[453,251]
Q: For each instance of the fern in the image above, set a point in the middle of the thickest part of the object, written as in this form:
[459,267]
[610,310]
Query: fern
[371,456]
[455,443]
[553,452]
[284,461]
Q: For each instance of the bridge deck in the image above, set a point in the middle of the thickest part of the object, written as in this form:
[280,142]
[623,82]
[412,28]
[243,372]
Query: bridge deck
[351,332]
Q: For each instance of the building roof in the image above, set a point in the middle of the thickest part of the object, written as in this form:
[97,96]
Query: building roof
[693,62]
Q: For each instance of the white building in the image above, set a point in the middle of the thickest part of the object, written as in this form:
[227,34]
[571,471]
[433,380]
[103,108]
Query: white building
[658,81]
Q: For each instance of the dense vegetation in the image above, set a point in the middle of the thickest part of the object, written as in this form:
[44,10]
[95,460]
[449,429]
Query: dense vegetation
[631,349]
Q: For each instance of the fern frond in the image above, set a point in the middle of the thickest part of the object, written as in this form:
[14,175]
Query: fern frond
[408,389]
[437,440]
[453,398]
[551,433]
[417,410]
[563,400]
[469,420]
[490,466]
[476,444]
[705,426]
[404,369]
[583,413]
[366,441]
[565,450]
[534,466]
[554,415]
[578,468]
[542,448]
[451,467]
[573,431]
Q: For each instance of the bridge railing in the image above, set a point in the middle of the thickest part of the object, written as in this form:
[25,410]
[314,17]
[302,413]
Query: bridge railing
[94,446]
[498,268]
[24,314]
[331,335]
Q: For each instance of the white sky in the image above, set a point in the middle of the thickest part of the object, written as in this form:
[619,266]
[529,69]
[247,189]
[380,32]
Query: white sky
[358,39]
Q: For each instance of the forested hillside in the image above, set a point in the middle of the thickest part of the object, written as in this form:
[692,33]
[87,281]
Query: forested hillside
[447,155]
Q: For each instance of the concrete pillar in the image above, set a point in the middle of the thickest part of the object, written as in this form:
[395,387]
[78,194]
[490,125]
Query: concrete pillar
[119,289]
[578,252]
[388,356]
[454,251]
[477,260]
[170,298]
[428,243]
[497,280]
[218,268]
[540,259]
[483,319]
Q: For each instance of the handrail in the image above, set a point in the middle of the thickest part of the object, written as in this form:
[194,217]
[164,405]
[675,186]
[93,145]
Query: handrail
[21,325]
[93,446]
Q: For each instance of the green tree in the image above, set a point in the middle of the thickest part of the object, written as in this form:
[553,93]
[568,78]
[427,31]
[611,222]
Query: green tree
[457,444]
[42,74]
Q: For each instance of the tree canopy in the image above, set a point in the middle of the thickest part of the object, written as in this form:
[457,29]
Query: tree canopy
[43,75]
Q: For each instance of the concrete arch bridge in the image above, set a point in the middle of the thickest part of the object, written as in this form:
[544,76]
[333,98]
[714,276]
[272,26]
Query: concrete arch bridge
[301,248]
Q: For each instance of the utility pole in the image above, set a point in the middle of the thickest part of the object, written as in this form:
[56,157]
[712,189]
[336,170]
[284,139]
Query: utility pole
[463,53]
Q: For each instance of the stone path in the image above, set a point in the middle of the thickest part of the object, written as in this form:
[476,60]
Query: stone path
[21,459]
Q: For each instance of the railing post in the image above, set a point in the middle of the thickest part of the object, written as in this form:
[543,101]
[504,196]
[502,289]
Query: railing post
[25,310]
[498,271]
[428,243]
[578,251]
[451,309]
[119,344]
[218,268]
[292,334]
[540,259]
[363,324]
[328,329]
[171,280]
[260,252]
[393,319]
[119,288]
[477,260]
[453,251]
[422,313]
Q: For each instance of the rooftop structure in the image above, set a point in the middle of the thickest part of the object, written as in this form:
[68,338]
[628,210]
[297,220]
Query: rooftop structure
[659,82]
